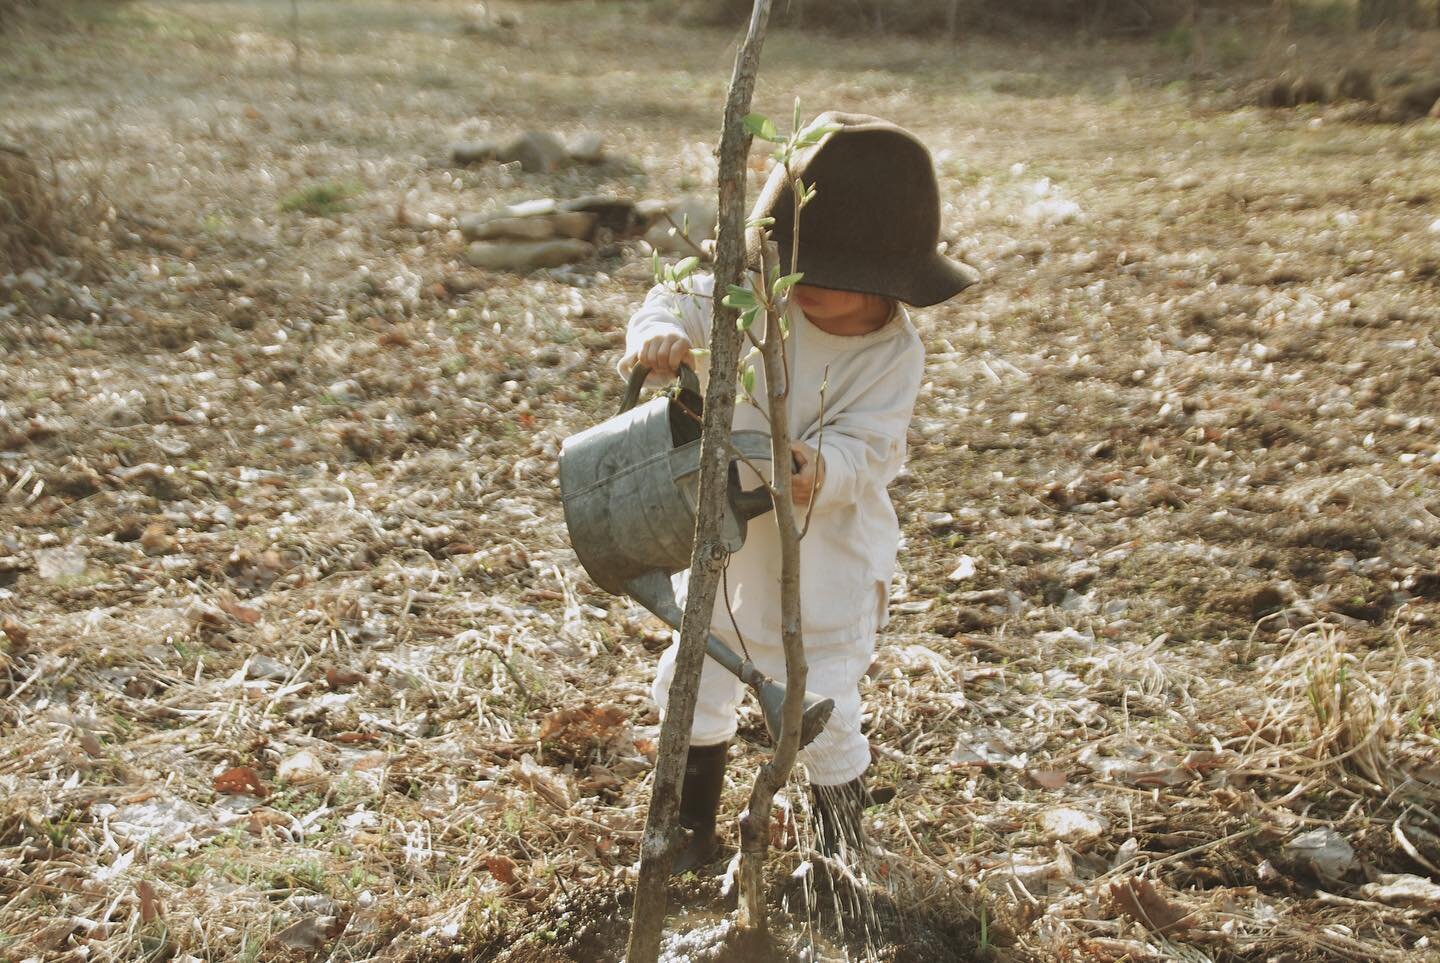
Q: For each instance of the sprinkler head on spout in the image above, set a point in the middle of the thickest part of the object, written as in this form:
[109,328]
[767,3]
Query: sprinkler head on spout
[817,712]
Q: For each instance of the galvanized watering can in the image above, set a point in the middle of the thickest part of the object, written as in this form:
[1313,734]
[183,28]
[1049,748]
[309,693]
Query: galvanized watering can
[629,487]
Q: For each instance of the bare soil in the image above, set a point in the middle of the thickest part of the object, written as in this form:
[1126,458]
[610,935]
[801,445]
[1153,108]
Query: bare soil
[297,663]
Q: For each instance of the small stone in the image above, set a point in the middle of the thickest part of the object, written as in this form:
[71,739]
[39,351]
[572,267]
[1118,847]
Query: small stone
[264,667]
[587,148]
[478,228]
[525,256]
[1324,851]
[537,152]
[301,768]
[346,392]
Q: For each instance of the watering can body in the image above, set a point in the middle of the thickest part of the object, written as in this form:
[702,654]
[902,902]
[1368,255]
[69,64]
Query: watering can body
[629,486]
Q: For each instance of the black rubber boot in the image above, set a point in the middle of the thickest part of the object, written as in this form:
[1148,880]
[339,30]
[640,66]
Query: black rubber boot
[699,806]
[839,812]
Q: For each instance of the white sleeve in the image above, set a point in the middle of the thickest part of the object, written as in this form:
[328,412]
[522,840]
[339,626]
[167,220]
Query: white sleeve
[666,311]
[864,444]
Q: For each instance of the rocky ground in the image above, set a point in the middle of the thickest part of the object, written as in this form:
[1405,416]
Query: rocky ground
[297,662]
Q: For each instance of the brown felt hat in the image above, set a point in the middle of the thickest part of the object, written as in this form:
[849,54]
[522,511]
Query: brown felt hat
[874,223]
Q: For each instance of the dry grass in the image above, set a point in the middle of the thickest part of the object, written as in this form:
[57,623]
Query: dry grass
[278,496]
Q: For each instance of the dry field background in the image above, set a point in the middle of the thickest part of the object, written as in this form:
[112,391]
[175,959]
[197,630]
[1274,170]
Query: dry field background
[296,662]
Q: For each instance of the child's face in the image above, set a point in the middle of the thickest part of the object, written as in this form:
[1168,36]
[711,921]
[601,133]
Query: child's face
[827,304]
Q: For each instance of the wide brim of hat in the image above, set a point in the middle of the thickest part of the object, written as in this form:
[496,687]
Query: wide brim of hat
[916,281]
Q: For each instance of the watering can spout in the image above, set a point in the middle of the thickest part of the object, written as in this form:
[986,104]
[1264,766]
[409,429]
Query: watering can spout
[653,591]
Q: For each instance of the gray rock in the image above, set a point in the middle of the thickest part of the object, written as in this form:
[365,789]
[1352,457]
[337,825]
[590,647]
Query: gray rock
[478,228]
[523,256]
[475,151]
[617,214]
[587,149]
[576,224]
[537,151]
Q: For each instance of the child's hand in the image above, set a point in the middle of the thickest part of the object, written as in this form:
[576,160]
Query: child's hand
[663,354]
[809,475]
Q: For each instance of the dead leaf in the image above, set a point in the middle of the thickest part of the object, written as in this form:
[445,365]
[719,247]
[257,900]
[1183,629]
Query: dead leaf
[354,738]
[15,630]
[309,935]
[580,731]
[1049,778]
[239,612]
[547,784]
[156,540]
[1403,889]
[1143,902]
[502,868]
[263,818]
[240,781]
[338,678]
[150,908]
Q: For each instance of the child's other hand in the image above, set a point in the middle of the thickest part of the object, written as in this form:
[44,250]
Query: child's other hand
[809,475]
[663,354]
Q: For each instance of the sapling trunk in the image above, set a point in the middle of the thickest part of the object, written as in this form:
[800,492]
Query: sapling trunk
[755,822]
[648,920]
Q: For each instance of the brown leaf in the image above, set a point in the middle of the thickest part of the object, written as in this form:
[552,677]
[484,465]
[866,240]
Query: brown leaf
[150,908]
[239,612]
[1048,778]
[353,738]
[1140,900]
[338,678]
[241,781]
[263,818]
[502,868]
[155,540]
[579,731]
[16,630]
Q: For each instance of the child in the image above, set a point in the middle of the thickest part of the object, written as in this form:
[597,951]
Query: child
[867,243]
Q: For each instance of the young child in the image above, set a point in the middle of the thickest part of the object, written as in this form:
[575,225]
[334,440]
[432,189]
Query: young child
[867,244]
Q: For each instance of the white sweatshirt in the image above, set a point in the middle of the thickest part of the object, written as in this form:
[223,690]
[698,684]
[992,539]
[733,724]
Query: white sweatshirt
[847,559]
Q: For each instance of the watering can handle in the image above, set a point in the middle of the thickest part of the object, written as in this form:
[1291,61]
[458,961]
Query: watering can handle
[639,373]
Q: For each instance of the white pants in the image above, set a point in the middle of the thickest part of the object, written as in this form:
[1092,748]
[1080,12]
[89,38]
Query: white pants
[839,754]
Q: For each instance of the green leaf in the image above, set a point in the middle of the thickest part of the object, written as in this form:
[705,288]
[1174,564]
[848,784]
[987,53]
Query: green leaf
[761,127]
[686,267]
[657,267]
[747,380]
[795,124]
[782,285]
[758,222]
[739,298]
[747,318]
